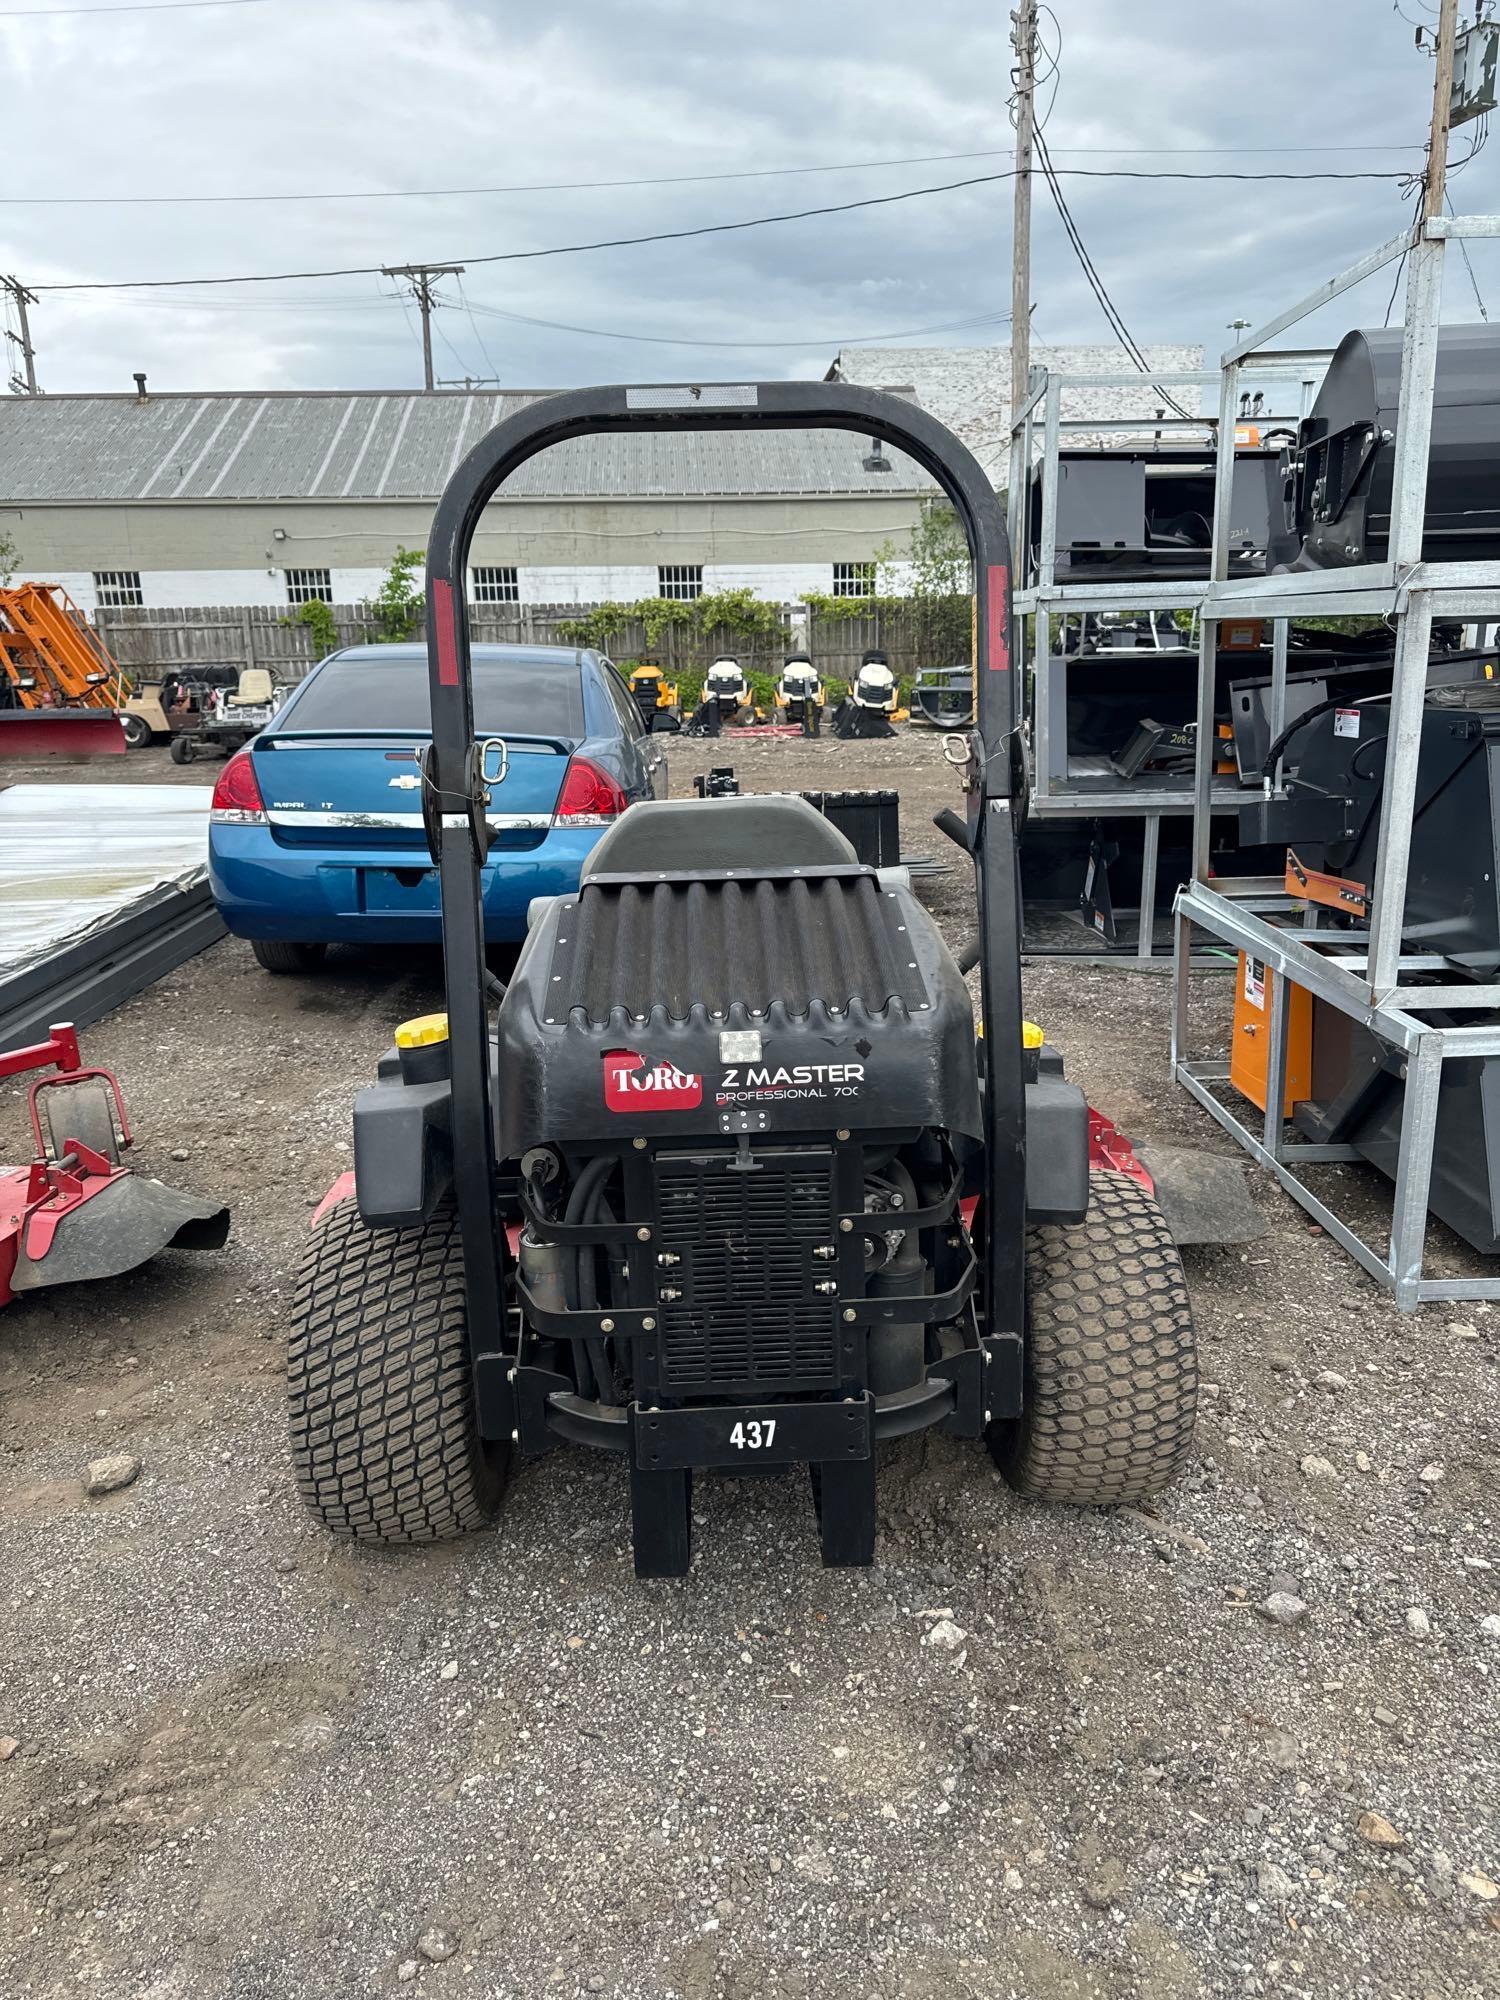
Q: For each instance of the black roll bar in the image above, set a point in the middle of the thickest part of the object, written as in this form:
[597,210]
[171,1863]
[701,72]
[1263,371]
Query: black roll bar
[994,778]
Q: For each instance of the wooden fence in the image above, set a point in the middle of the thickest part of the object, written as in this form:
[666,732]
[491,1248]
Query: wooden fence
[150,641]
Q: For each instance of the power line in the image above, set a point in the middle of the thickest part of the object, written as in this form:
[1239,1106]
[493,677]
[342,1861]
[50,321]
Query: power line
[675,340]
[1096,283]
[130,7]
[701,229]
[655,180]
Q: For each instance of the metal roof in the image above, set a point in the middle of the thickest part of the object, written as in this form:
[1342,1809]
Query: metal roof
[366,445]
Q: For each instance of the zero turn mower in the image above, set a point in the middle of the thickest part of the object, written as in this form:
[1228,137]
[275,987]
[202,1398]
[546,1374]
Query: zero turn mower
[656,698]
[726,702]
[729,1180]
[800,693]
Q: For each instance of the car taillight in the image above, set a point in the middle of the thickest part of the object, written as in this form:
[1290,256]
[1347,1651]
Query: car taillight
[237,800]
[589,796]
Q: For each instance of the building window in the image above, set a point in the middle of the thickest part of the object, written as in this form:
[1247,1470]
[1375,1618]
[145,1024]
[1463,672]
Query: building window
[684,581]
[854,579]
[497,585]
[309,586]
[116,589]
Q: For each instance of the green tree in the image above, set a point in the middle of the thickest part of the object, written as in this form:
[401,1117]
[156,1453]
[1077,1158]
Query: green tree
[941,585]
[10,556]
[398,602]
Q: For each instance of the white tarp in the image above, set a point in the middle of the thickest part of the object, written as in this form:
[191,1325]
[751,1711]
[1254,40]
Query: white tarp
[73,857]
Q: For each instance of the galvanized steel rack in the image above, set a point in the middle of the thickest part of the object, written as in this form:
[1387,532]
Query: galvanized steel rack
[1058,791]
[1369,974]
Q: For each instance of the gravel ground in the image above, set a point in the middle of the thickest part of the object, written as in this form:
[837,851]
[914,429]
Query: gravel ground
[250,1761]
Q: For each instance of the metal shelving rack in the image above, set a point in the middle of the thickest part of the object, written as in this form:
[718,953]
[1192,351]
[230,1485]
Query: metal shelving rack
[1056,791]
[1367,974]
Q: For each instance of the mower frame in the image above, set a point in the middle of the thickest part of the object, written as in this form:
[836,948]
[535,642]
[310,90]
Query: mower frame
[994,781]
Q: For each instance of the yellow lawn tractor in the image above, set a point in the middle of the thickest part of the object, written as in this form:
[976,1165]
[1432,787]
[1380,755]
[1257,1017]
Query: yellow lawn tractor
[656,698]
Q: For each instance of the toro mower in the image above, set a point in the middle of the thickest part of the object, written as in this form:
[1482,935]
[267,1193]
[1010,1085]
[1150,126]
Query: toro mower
[730,1178]
[870,707]
[725,702]
[76,1212]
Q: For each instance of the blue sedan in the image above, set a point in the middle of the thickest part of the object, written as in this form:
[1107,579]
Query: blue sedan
[316,833]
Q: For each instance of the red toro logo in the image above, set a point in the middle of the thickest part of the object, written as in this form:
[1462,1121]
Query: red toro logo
[633,1084]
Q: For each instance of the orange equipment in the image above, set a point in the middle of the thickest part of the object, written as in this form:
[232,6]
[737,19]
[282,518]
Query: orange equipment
[51,654]
[1250,1052]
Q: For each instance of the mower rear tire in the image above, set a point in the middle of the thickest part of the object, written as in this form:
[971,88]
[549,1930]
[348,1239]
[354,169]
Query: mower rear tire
[183,750]
[1111,1360]
[385,1442]
[276,955]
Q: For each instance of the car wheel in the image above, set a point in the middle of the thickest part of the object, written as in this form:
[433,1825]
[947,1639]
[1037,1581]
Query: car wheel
[276,955]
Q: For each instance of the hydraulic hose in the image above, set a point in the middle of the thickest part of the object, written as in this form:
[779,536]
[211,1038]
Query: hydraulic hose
[581,1201]
[1278,748]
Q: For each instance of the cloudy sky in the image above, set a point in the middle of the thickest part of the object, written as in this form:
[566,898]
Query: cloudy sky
[364,98]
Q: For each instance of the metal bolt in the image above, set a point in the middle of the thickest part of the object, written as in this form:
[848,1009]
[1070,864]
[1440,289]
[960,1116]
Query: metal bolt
[639,1144]
[511,1376]
[955,1242]
[845,1224]
[989,1416]
[670,1292]
[988,1358]
[842,1132]
[643,1234]
[649,1324]
[606,1326]
[824,1250]
[667,1257]
[515,1437]
[850,1313]
[827,1286]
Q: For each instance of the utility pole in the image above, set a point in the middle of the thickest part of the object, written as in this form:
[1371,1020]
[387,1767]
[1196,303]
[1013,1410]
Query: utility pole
[1436,187]
[419,279]
[1023,39]
[22,381]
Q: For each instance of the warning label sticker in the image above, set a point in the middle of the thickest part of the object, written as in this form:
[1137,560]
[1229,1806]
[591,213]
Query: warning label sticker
[1346,722]
[1255,981]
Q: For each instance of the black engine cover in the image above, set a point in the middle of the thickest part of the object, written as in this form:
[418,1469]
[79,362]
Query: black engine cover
[769,1002]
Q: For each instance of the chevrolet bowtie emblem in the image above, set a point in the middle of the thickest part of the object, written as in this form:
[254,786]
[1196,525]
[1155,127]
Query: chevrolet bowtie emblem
[407,782]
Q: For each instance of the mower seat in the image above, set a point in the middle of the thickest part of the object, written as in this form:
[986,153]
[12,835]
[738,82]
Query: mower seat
[661,836]
[253,689]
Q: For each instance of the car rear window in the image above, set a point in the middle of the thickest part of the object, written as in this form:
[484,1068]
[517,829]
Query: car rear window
[529,697]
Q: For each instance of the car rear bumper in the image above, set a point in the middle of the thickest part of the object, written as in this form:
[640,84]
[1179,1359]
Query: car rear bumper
[265,889]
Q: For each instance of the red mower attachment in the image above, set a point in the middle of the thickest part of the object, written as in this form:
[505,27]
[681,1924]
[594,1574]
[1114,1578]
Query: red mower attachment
[76,1212]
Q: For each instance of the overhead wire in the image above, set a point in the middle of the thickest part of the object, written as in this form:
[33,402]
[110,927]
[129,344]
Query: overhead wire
[654,180]
[128,7]
[1095,282]
[696,231]
[681,340]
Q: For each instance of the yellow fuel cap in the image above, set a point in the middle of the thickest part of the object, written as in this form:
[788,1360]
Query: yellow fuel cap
[423,1032]
[1031,1035]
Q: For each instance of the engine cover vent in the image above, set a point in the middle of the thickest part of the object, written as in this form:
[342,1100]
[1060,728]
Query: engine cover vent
[833,938]
[748,1319]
